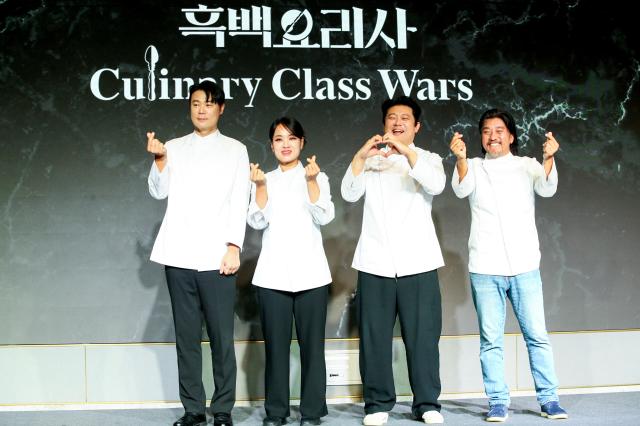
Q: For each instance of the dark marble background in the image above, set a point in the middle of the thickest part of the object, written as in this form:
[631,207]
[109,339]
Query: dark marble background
[77,223]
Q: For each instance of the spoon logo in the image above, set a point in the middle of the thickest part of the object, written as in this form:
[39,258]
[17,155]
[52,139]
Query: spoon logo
[133,88]
[151,58]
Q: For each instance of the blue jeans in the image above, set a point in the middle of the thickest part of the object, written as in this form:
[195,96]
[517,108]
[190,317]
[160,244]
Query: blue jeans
[490,293]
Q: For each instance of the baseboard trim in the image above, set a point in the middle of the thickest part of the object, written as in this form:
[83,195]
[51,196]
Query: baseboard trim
[355,399]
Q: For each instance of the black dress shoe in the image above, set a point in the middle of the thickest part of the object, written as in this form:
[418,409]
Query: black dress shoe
[191,419]
[274,421]
[222,419]
[307,421]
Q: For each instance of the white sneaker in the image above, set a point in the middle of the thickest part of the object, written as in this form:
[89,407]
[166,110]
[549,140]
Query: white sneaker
[376,419]
[432,417]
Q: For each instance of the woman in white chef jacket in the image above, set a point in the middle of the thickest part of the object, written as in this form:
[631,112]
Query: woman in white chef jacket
[292,276]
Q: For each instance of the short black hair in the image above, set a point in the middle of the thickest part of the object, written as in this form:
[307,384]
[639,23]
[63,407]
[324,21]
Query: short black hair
[402,100]
[291,124]
[509,122]
[213,92]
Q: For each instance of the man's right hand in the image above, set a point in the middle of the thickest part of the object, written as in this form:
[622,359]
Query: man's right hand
[155,147]
[158,149]
[458,147]
[370,148]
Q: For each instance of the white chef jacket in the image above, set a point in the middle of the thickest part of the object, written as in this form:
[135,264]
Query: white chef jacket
[398,237]
[207,182]
[503,239]
[292,256]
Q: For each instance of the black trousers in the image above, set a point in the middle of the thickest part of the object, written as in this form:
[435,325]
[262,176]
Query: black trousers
[194,295]
[277,310]
[416,300]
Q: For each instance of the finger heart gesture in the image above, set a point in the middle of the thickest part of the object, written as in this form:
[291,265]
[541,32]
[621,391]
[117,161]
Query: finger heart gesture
[550,146]
[457,146]
[311,169]
[154,146]
[256,175]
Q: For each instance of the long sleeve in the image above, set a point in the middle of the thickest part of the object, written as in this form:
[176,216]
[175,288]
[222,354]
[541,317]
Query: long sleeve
[257,218]
[159,182]
[468,185]
[291,225]
[543,185]
[398,237]
[323,211]
[429,172]
[239,198]
[352,187]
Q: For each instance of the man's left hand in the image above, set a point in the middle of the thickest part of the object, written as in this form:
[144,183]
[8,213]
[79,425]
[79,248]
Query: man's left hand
[550,146]
[397,147]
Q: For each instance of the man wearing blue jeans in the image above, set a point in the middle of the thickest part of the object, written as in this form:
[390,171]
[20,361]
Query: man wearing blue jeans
[504,254]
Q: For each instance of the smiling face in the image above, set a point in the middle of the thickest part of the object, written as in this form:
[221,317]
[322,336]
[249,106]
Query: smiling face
[400,122]
[205,113]
[286,147]
[496,138]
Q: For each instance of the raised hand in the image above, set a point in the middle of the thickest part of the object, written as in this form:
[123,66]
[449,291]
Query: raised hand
[256,175]
[550,146]
[370,148]
[458,147]
[312,169]
[154,146]
[394,145]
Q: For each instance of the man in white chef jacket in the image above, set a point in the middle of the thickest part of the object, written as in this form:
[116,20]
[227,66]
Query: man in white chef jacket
[504,253]
[205,176]
[397,256]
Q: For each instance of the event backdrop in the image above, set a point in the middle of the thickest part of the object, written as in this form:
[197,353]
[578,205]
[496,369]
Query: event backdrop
[82,82]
